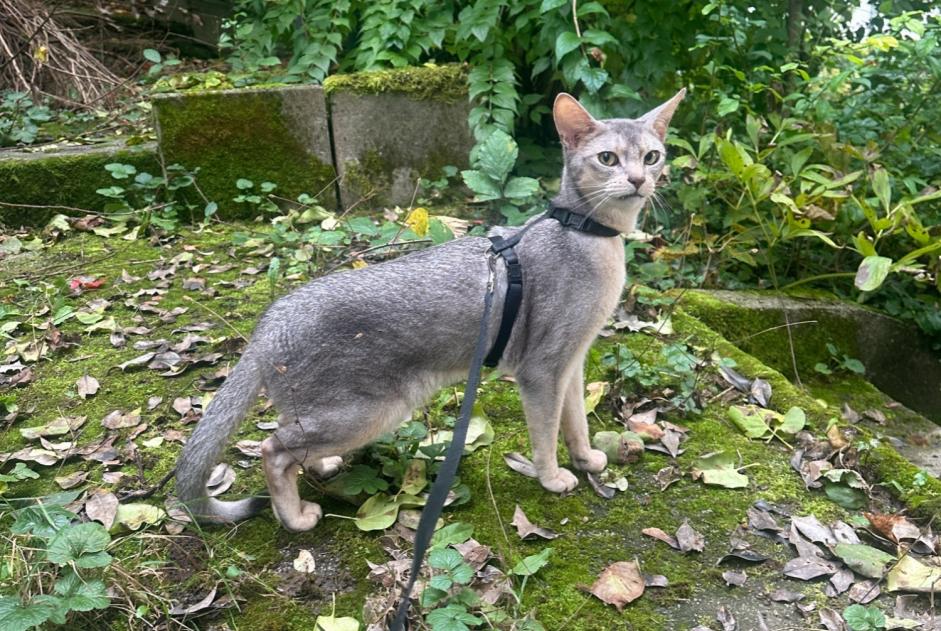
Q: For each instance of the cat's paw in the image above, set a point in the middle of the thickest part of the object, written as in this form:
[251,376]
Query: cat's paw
[562,481]
[594,462]
[307,518]
[328,467]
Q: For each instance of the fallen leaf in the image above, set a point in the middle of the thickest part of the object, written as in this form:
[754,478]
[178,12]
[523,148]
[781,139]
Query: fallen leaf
[864,592]
[863,559]
[810,527]
[893,527]
[806,568]
[135,515]
[748,556]
[718,469]
[119,420]
[842,580]
[667,476]
[220,479]
[726,619]
[330,623]
[785,596]
[660,535]
[911,575]
[688,539]
[39,456]
[596,390]
[600,488]
[87,386]
[72,480]
[619,584]
[527,530]
[760,392]
[521,464]
[180,610]
[656,580]
[102,506]
[832,620]
[58,427]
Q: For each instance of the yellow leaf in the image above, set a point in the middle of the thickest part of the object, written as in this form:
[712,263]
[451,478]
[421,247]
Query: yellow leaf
[41,55]
[596,390]
[417,220]
[359,264]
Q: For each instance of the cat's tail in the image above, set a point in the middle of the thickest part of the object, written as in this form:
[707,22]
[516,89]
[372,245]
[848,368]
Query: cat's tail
[205,446]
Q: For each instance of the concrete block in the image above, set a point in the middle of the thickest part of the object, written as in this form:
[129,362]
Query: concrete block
[35,185]
[391,127]
[276,134]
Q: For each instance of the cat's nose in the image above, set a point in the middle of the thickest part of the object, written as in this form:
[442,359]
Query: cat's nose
[636,180]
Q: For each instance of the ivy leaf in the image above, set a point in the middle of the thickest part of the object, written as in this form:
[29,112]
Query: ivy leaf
[565,43]
[532,564]
[82,544]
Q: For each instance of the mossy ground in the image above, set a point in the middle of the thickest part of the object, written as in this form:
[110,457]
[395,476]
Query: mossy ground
[446,83]
[594,532]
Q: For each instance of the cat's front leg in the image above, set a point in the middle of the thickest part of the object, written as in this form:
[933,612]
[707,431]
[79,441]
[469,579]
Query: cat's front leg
[542,396]
[575,426]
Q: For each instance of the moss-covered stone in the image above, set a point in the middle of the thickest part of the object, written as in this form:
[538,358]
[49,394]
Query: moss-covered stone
[447,83]
[36,186]
[392,127]
[278,135]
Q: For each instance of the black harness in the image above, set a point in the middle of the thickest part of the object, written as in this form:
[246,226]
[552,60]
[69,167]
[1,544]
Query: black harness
[514,271]
[511,306]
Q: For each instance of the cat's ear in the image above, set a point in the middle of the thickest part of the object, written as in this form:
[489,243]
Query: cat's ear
[658,118]
[572,121]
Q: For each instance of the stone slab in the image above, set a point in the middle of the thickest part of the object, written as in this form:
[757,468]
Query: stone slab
[35,185]
[898,358]
[392,127]
[276,134]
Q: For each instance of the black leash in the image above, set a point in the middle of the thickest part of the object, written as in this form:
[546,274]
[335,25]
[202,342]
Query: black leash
[511,305]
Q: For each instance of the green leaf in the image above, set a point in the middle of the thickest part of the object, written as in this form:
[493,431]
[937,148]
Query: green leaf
[846,496]
[120,171]
[458,532]
[566,42]
[863,559]
[210,209]
[445,558]
[497,155]
[454,617]
[520,187]
[532,564]
[15,616]
[380,511]
[152,55]
[749,421]
[882,188]
[135,515]
[860,618]
[718,469]
[484,189]
[77,594]
[329,623]
[82,544]
[793,421]
[872,272]
[361,479]
[41,521]
[243,185]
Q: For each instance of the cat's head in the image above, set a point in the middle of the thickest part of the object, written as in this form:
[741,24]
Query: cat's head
[611,165]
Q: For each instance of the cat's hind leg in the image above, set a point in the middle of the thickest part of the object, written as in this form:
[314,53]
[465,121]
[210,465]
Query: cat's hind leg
[284,453]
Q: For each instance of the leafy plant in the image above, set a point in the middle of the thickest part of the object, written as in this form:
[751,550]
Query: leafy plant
[674,367]
[20,119]
[862,618]
[839,361]
[150,200]
[490,178]
[54,578]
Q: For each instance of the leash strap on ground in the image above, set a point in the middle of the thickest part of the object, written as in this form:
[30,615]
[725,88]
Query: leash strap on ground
[448,470]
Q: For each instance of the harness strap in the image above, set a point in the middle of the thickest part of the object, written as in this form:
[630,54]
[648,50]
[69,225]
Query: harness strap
[514,295]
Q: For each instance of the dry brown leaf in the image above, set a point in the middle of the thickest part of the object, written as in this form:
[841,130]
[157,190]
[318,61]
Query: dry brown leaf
[87,386]
[688,539]
[528,530]
[659,534]
[893,527]
[72,480]
[619,584]
[119,420]
[102,507]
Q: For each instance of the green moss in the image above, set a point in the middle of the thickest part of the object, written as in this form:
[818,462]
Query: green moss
[239,134]
[764,333]
[446,83]
[65,179]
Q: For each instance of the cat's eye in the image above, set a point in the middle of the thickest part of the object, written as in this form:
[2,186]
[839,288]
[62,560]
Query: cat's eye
[652,157]
[607,158]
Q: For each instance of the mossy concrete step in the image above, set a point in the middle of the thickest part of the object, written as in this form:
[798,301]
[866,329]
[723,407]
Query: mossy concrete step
[35,185]
[392,127]
[277,134]
[789,332]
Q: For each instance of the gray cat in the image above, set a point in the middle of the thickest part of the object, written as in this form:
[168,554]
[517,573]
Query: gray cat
[348,356]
